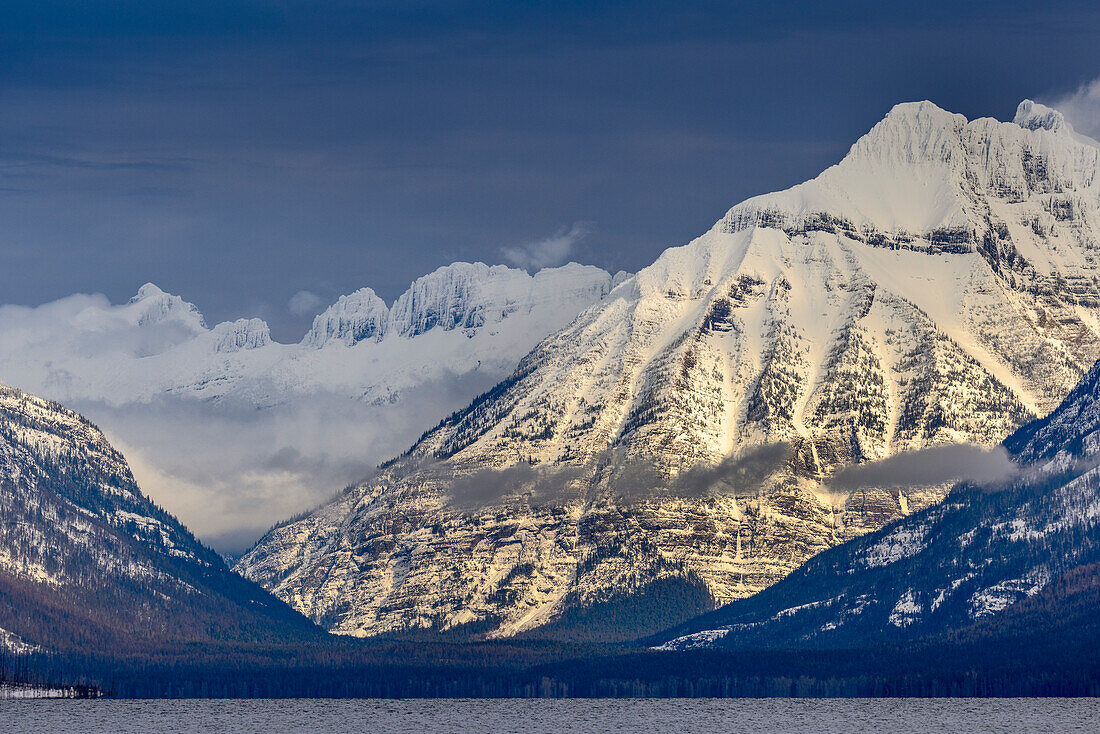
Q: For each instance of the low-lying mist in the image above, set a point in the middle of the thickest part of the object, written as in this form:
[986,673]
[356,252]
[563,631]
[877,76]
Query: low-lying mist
[628,480]
[230,470]
[932,466]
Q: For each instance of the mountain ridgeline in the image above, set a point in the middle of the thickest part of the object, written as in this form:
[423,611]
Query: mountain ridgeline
[938,285]
[75,349]
[679,464]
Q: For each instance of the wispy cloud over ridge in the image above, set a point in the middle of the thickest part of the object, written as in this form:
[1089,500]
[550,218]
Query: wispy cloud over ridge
[549,251]
[1082,108]
[304,303]
[948,463]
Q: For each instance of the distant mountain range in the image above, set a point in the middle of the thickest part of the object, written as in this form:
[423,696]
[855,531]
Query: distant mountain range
[941,284]
[238,431]
[84,348]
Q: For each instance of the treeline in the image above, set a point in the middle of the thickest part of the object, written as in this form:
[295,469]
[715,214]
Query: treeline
[118,636]
[1044,646]
[641,610]
[614,674]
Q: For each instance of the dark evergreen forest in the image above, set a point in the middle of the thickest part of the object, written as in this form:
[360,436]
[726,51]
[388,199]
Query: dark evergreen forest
[1043,646]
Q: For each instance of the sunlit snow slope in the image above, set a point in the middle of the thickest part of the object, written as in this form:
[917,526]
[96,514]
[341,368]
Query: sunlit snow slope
[937,285]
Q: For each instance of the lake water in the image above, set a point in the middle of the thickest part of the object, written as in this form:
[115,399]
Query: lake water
[820,716]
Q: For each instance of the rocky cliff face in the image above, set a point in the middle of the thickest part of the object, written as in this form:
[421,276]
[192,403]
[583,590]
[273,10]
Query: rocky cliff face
[937,285]
[352,319]
[233,336]
[979,552]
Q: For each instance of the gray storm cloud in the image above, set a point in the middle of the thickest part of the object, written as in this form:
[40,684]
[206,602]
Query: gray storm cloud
[737,474]
[534,484]
[744,472]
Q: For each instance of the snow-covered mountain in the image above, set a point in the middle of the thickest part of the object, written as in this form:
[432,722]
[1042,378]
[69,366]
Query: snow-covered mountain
[181,399]
[980,551]
[88,561]
[939,284]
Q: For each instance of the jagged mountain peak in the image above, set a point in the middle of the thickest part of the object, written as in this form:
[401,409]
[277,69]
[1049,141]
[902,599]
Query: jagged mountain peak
[233,336]
[149,290]
[918,130]
[471,295]
[151,305]
[353,318]
[461,295]
[1034,116]
[919,173]
[937,285]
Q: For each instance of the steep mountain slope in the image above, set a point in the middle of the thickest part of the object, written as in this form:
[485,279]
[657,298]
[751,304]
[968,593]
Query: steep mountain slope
[950,567]
[181,399]
[88,563]
[937,285]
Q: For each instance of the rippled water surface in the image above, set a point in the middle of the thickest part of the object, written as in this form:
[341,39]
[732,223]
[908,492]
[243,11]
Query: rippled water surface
[650,716]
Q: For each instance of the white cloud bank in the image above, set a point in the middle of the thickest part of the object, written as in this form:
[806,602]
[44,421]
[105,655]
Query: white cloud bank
[229,471]
[231,431]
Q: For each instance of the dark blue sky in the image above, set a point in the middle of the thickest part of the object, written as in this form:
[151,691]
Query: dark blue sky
[239,152]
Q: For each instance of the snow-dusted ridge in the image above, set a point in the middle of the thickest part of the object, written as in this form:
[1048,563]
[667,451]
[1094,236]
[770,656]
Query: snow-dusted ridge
[69,500]
[940,284]
[88,562]
[163,344]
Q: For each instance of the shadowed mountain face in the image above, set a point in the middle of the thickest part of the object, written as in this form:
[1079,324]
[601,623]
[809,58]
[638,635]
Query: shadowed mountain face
[955,566]
[937,285]
[89,564]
